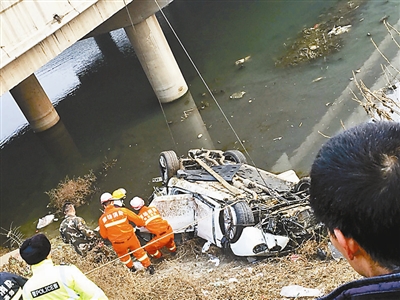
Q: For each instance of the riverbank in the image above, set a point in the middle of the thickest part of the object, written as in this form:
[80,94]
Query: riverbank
[192,274]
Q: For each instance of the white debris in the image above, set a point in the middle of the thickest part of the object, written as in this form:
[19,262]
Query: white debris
[295,291]
[335,252]
[231,280]
[138,265]
[43,222]
[206,247]
[237,95]
[339,30]
[242,60]
[318,79]
[214,260]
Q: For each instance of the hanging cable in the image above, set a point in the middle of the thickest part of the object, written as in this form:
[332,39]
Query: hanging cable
[272,192]
[159,102]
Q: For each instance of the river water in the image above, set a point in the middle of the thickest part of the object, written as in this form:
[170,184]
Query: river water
[112,117]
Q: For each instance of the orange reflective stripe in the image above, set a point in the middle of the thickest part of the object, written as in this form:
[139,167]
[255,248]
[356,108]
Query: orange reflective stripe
[117,222]
[172,248]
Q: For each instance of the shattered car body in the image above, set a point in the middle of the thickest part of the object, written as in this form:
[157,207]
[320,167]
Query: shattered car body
[222,199]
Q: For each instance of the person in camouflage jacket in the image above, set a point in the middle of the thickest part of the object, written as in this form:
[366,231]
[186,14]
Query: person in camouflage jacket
[74,231]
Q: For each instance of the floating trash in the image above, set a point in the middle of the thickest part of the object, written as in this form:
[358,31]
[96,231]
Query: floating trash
[242,60]
[43,222]
[339,30]
[318,79]
[237,95]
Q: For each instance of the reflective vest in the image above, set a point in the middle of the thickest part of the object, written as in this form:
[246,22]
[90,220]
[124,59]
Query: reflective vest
[60,282]
[153,220]
[114,223]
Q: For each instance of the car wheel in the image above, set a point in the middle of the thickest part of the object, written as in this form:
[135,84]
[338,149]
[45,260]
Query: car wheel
[235,156]
[303,185]
[234,218]
[169,164]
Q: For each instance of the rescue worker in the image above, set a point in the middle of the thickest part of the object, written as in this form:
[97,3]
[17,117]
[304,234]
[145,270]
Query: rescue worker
[114,225]
[119,196]
[54,282]
[74,231]
[11,286]
[155,224]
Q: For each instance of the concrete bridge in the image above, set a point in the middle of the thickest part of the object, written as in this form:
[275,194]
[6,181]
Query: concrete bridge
[33,32]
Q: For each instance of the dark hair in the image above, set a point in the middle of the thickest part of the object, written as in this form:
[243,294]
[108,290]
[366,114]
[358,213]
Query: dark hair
[67,206]
[355,187]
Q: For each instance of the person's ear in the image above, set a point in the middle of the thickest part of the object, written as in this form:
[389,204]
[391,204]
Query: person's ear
[349,245]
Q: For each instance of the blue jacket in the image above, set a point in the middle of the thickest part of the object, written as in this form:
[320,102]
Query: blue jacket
[385,287]
[11,286]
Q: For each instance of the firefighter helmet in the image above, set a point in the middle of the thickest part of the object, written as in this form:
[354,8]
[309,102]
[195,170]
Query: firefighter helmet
[105,197]
[137,203]
[119,193]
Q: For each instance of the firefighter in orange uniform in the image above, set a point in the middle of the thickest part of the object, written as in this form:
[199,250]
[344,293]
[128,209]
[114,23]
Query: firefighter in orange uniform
[155,224]
[114,225]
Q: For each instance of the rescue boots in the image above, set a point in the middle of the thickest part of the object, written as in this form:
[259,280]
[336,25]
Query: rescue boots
[133,269]
[151,269]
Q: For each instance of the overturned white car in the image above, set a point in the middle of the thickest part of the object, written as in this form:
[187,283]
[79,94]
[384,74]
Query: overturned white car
[222,199]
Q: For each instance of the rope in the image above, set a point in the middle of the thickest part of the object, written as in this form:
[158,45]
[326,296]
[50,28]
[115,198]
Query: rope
[156,240]
[162,108]
[212,95]
[271,192]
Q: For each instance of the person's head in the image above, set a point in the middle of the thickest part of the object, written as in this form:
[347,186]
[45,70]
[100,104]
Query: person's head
[137,203]
[106,199]
[68,208]
[35,249]
[355,189]
[119,195]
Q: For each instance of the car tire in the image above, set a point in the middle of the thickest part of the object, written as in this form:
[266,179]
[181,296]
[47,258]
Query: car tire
[169,165]
[303,185]
[234,218]
[235,156]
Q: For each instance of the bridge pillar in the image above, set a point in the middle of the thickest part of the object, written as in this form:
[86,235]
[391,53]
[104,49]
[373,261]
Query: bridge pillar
[157,59]
[34,104]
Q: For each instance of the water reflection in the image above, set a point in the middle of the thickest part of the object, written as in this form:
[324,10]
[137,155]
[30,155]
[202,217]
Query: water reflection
[60,146]
[111,113]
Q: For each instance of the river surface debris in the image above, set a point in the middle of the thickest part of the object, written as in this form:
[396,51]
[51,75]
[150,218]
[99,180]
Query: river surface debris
[321,39]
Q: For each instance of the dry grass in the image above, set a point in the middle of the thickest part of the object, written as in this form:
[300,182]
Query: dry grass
[191,274]
[73,190]
[377,104]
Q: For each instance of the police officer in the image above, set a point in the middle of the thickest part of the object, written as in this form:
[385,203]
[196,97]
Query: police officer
[11,286]
[54,282]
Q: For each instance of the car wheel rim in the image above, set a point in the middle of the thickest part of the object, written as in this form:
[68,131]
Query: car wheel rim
[163,165]
[229,223]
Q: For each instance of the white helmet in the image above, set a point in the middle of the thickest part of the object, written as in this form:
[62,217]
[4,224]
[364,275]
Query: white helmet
[105,197]
[137,203]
